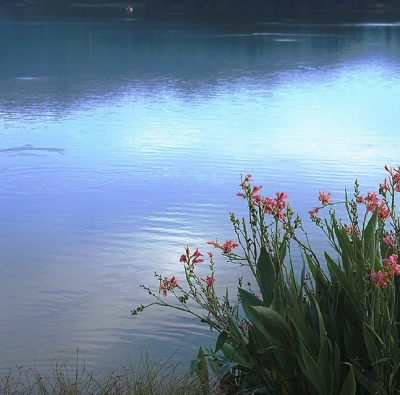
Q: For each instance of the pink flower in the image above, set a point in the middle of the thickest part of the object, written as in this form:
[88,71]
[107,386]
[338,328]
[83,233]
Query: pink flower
[385,185]
[183,258]
[209,280]
[391,264]
[360,199]
[372,201]
[168,284]
[228,246]
[276,206]
[324,198]
[214,243]
[383,211]
[380,278]
[314,210]
[395,174]
[388,240]
[257,295]
[196,257]
[247,178]
[349,229]
[210,254]
[396,181]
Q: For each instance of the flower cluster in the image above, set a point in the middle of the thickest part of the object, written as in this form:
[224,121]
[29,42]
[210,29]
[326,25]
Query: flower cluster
[209,280]
[226,247]
[391,268]
[373,203]
[168,284]
[324,198]
[191,259]
[273,206]
[394,179]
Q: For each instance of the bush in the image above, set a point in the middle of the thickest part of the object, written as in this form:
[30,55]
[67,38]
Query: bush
[332,331]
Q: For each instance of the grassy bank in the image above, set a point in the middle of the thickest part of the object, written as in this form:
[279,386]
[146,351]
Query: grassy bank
[148,376]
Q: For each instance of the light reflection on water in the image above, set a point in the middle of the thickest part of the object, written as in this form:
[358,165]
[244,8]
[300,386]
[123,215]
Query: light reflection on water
[131,146]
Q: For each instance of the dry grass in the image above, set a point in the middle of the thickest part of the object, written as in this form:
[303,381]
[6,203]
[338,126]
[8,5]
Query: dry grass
[150,377]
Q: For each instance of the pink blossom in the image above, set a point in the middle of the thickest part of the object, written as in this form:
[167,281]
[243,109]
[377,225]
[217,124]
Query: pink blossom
[196,257]
[210,254]
[183,258]
[324,198]
[214,243]
[360,199]
[385,185]
[391,264]
[314,210]
[228,246]
[242,195]
[396,181]
[383,211]
[388,240]
[380,278]
[257,295]
[350,228]
[209,280]
[276,206]
[372,201]
[395,174]
[247,178]
[168,284]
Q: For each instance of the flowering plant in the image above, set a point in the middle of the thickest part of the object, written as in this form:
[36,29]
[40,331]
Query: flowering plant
[331,329]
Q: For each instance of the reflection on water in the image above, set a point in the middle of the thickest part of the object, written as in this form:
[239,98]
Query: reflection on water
[123,140]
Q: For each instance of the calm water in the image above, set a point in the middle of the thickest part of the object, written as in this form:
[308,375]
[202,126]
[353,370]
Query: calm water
[123,140]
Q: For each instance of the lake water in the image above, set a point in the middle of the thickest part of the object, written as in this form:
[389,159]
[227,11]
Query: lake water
[122,140]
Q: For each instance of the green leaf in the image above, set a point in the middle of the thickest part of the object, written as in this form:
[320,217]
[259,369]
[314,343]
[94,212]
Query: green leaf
[318,274]
[345,246]
[368,239]
[313,372]
[202,369]
[248,299]
[234,355]
[370,338]
[308,336]
[326,369]
[366,379]
[336,367]
[270,322]
[282,252]
[221,341]
[266,275]
[349,385]
[343,280]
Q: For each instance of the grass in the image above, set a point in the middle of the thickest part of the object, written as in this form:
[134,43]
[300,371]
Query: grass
[150,377]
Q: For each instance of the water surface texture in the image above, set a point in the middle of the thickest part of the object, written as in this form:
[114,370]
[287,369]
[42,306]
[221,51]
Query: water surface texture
[123,140]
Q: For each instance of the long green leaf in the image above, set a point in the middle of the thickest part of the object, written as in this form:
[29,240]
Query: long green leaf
[248,299]
[308,336]
[370,338]
[345,246]
[349,385]
[313,372]
[266,275]
[221,341]
[234,355]
[343,280]
[368,239]
[318,275]
[270,322]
